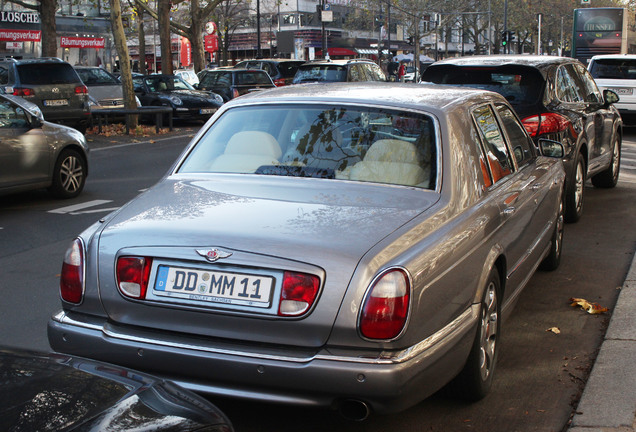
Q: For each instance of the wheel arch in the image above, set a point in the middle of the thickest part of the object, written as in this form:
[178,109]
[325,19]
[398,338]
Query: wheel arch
[76,147]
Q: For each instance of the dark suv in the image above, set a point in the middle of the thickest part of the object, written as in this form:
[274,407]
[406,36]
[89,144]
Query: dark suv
[339,71]
[50,83]
[556,98]
[231,83]
[281,71]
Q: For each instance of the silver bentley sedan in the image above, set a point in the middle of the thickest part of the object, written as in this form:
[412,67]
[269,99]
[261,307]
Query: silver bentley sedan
[347,245]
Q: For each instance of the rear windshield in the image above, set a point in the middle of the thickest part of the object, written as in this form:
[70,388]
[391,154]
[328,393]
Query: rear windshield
[328,73]
[288,69]
[252,78]
[44,73]
[614,68]
[518,84]
[322,141]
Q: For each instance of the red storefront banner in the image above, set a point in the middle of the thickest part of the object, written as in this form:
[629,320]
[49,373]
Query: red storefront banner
[211,43]
[80,42]
[186,52]
[20,35]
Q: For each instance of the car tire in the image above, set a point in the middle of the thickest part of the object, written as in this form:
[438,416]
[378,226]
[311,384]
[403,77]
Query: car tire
[474,381]
[69,174]
[575,191]
[609,178]
[553,259]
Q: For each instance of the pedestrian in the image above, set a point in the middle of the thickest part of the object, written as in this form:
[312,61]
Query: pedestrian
[401,71]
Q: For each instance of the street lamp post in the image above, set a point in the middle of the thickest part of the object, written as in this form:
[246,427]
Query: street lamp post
[258,29]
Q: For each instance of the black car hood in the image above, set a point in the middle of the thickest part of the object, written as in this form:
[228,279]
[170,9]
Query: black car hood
[54,392]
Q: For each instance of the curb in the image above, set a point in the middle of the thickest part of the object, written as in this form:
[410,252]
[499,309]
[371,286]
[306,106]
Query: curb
[608,403]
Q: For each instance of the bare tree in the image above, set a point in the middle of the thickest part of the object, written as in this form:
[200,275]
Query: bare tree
[124,58]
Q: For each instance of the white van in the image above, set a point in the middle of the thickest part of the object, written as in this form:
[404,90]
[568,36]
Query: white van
[617,72]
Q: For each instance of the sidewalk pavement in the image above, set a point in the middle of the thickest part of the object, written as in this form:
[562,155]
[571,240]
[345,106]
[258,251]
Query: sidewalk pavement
[608,403]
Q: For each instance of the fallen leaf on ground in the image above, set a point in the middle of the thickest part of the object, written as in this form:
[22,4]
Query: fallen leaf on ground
[587,306]
[554,330]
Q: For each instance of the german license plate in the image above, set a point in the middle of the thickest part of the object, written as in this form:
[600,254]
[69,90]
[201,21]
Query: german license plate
[623,91]
[214,286]
[56,102]
[207,110]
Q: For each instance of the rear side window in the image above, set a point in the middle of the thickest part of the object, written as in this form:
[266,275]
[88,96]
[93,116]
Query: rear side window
[45,73]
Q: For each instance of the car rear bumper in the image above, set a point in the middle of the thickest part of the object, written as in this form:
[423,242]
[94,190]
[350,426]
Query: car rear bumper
[388,382]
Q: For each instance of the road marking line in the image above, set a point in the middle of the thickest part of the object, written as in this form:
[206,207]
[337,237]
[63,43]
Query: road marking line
[95,211]
[72,208]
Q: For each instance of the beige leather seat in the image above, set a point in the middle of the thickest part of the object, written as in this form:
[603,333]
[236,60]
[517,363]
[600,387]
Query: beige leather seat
[390,161]
[246,151]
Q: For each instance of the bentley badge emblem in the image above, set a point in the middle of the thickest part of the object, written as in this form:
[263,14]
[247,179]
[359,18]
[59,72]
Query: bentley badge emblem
[213,254]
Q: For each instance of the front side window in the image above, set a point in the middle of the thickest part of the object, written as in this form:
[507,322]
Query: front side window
[522,146]
[12,116]
[590,90]
[494,144]
[322,141]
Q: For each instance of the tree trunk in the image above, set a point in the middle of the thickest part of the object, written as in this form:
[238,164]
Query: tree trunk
[142,41]
[124,59]
[196,37]
[49,30]
[163,10]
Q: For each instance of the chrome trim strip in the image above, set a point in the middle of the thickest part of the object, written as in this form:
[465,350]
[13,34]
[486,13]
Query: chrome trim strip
[456,327]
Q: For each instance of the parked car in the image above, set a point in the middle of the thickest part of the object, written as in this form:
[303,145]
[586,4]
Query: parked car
[617,72]
[37,154]
[168,90]
[281,71]
[50,83]
[231,83]
[55,392]
[339,71]
[350,248]
[556,98]
[104,89]
[188,75]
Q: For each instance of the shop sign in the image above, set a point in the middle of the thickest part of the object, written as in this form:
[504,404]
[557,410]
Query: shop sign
[80,42]
[211,43]
[20,17]
[186,52]
[15,45]
[20,35]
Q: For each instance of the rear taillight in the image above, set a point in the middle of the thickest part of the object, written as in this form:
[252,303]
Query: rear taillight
[279,82]
[72,276]
[298,294]
[545,123]
[386,306]
[133,274]
[22,92]
[81,89]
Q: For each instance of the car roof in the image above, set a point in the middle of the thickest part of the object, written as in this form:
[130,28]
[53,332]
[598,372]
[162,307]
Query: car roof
[538,61]
[337,62]
[614,56]
[402,95]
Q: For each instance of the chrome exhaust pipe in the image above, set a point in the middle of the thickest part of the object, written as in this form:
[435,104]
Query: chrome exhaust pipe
[355,410]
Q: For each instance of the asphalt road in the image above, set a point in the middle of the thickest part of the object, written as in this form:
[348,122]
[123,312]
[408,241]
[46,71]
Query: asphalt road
[540,374]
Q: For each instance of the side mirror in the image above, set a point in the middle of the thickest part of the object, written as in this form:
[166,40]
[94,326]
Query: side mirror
[610,97]
[551,148]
